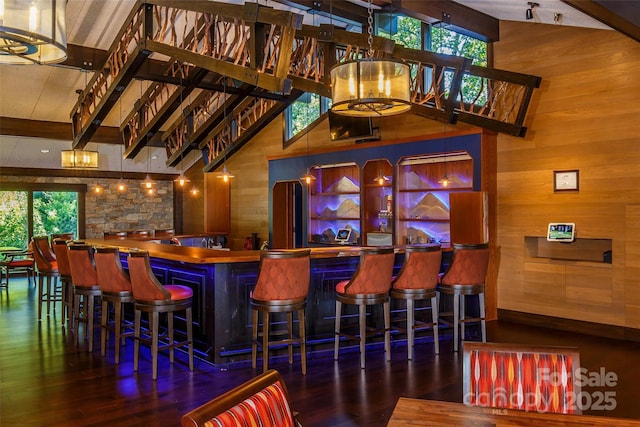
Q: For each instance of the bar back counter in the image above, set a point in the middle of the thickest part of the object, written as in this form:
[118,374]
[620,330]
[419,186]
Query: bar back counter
[222,281]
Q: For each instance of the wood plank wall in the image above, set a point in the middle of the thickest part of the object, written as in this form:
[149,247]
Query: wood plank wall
[585,117]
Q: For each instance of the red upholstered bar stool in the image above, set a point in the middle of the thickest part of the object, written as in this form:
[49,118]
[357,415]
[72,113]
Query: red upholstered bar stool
[64,269]
[116,291]
[282,287]
[150,296]
[417,281]
[369,286]
[85,289]
[465,276]
[46,267]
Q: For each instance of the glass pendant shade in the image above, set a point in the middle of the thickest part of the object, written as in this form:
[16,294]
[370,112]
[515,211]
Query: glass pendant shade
[225,175]
[370,88]
[182,180]
[307,177]
[79,159]
[33,32]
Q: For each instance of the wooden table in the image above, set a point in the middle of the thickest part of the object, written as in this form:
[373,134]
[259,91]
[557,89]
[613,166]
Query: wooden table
[418,412]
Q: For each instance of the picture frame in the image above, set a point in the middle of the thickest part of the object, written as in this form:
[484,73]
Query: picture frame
[566,180]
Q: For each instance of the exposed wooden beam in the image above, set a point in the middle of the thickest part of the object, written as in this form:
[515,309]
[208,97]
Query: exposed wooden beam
[608,17]
[54,130]
[81,173]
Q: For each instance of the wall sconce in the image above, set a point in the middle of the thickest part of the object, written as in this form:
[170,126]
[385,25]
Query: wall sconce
[529,12]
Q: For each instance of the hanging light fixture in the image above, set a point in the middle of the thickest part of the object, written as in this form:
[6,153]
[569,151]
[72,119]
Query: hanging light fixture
[370,87]
[381,178]
[79,159]
[308,177]
[33,32]
[148,183]
[121,186]
[181,180]
[444,181]
[225,175]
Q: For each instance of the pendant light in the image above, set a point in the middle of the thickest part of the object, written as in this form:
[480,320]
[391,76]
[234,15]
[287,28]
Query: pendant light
[444,181]
[33,32]
[225,175]
[148,183]
[370,87]
[308,177]
[121,186]
[181,180]
[381,178]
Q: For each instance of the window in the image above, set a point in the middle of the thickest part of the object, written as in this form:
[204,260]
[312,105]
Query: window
[303,112]
[40,209]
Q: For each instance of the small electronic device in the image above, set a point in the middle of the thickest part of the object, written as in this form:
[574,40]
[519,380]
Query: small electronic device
[343,235]
[561,232]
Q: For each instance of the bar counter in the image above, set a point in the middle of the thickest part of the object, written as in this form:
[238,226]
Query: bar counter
[222,282]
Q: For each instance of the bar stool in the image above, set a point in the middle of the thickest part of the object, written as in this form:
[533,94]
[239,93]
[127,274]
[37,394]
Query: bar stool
[465,276]
[152,297]
[137,234]
[282,287]
[417,281]
[167,232]
[85,289]
[64,269]
[116,291]
[114,235]
[46,267]
[369,286]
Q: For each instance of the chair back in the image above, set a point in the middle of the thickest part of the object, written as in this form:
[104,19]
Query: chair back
[374,272]
[523,377]
[468,266]
[114,235]
[83,269]
[283,275]
[167,232]
[136,234]
[41,243]
[40,247]
[144,284]
[420,269]
[261,401]
[63,236]
[62,256]
[111,276]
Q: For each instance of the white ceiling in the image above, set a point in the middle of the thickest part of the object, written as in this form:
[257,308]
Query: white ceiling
[48,93]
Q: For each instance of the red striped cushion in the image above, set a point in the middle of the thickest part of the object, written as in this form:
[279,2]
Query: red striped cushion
[267,408]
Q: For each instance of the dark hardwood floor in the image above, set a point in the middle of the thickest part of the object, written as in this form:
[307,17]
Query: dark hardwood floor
[46,380]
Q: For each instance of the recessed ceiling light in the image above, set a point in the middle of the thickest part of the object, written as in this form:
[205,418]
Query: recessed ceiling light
[154,157]
[44,150]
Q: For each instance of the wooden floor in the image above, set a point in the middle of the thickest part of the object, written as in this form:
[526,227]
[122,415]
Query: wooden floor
[46,380]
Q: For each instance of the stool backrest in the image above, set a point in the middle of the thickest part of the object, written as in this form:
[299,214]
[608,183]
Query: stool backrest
[284,275]
[62,256]
[420,268]
[263,400]
[138,234]
[114,235]
[374,272]
[40,247]
[83,269]
[111,275]
[63,236]
[167,232]
[524,377]
[144,284]
[469,265]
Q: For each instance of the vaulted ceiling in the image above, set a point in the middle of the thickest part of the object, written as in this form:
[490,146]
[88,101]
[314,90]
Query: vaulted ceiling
[38,103]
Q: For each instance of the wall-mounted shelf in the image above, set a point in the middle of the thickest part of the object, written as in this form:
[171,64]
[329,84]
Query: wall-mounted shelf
[592,250]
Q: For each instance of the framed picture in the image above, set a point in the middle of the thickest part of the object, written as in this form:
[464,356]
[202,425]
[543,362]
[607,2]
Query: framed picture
[566,180]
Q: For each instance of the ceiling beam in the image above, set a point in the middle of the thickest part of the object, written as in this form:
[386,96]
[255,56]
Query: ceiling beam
[54,130]
[608,16]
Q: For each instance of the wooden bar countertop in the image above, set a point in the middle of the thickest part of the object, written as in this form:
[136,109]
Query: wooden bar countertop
[198,255]
[419,412]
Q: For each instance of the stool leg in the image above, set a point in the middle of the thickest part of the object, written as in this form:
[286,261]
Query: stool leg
[136,338]
[483,323]
[254,341]
[410,330]
[387,329]
[40,295]
[170,326]
[117,329]
[462,317]
[434,319]
[90,313]
[337,330]
[154,323]
[290,337]
[362,321]
[103,327]
[265,341]
[48,295]
[456,315]
[189,319]
[303,340]
[76,318]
